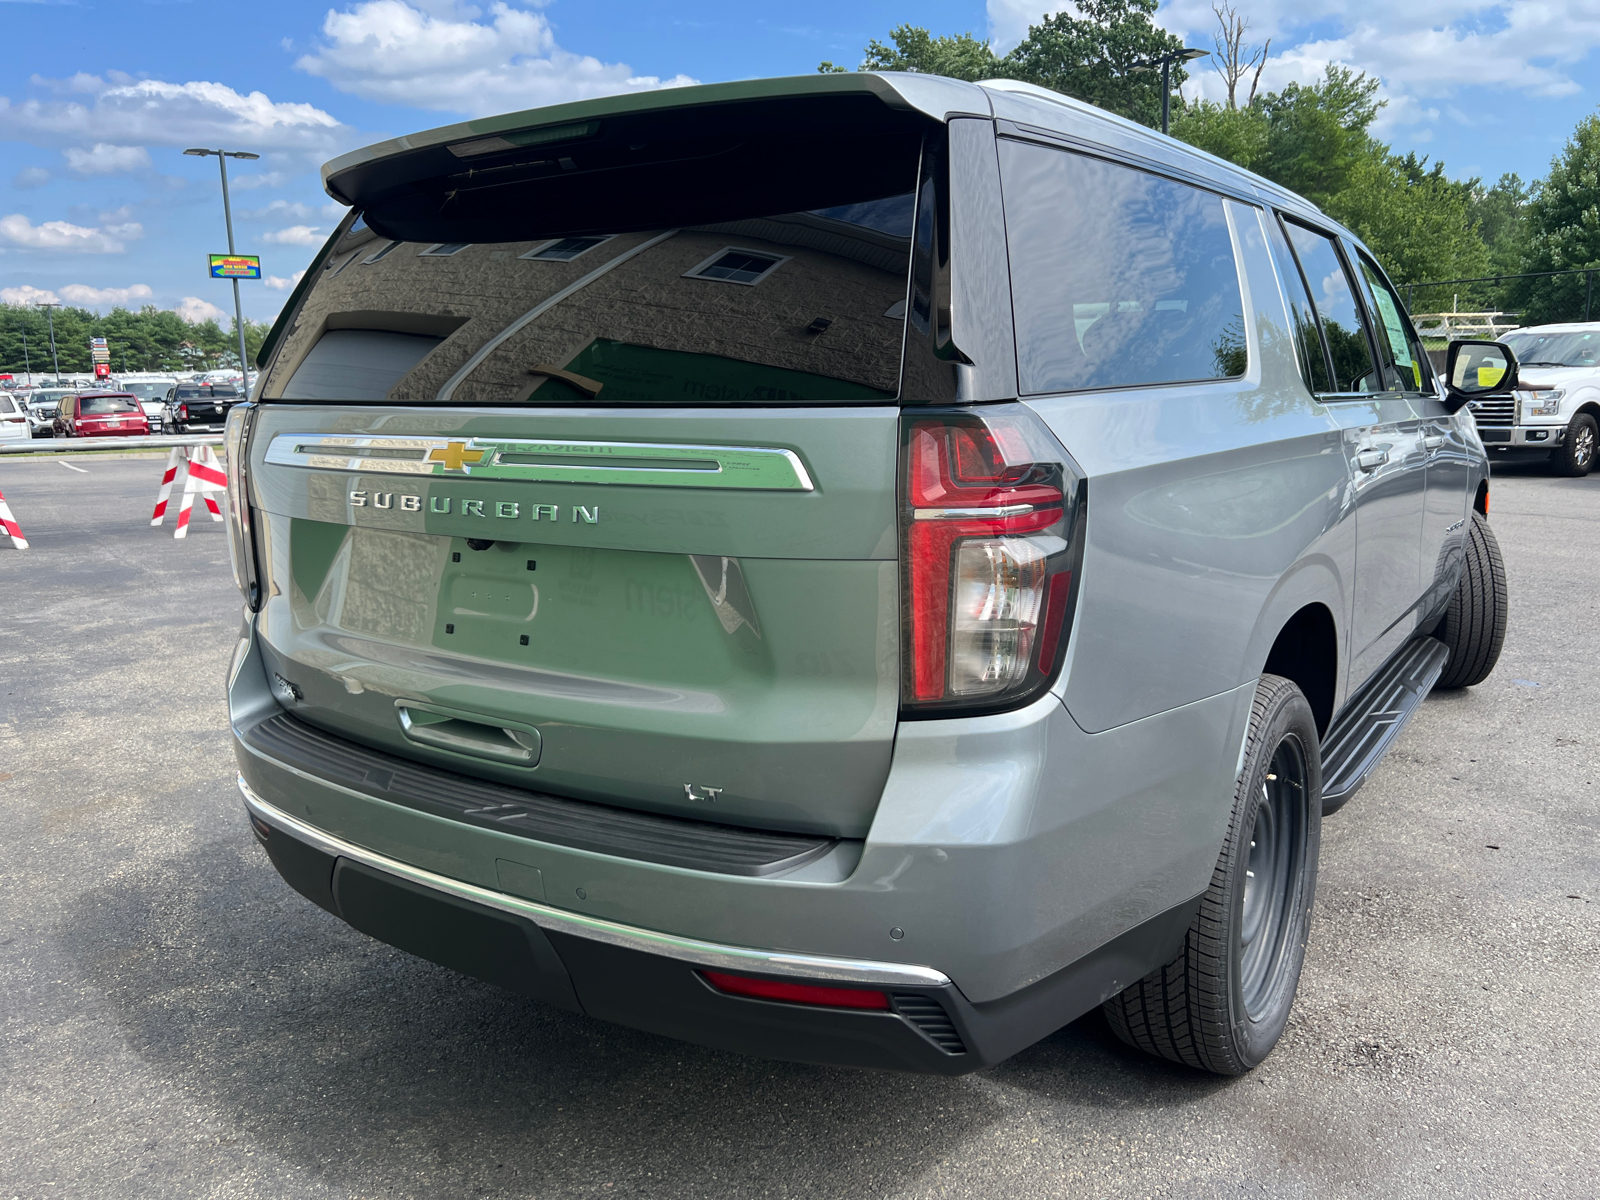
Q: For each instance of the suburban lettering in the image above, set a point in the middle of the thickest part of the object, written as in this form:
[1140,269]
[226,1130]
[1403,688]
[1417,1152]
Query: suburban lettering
[358,499]
[382,499]
[505,508]
[580,513]
[545,510]
[410,503]
[472,508]
[435,506]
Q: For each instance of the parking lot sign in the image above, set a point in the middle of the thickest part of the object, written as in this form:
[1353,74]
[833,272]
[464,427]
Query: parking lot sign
[235,266]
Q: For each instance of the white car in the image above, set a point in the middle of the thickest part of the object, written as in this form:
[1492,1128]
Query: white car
[152,393]
[13,419]
[1556,411]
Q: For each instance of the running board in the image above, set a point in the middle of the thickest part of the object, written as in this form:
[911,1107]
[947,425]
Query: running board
[1361,735]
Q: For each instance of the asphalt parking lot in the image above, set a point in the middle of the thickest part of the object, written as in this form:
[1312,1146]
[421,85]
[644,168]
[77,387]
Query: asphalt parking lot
[178,1022]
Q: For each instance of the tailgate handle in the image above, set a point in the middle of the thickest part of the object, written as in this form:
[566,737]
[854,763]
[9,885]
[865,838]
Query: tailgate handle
[464,733]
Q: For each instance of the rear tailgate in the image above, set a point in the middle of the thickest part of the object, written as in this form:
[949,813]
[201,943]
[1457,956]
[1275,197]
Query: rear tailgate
[723,652]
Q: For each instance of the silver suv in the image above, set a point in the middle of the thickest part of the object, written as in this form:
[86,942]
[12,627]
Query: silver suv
[860,569]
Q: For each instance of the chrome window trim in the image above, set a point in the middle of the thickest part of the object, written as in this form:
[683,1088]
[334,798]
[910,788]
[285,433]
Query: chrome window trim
[714,955]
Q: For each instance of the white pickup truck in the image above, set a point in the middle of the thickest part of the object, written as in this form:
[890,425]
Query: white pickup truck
[1555,412]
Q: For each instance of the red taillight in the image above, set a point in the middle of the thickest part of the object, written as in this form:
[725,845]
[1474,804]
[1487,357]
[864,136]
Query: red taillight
[183,412]
[987,557]
[796,993]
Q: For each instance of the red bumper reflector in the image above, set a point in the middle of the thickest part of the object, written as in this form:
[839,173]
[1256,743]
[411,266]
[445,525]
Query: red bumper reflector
[796,993]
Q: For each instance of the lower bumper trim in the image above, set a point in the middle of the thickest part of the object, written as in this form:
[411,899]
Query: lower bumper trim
[555,920]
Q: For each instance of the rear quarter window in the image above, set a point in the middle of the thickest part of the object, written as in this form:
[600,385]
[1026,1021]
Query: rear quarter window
[1119,277]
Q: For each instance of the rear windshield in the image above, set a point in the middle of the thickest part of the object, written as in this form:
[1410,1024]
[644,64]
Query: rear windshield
[148,391]
[699,286]
[100,406]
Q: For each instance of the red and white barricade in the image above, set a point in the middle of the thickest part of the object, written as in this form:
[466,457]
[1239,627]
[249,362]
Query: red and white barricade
[204,475]
[9,524]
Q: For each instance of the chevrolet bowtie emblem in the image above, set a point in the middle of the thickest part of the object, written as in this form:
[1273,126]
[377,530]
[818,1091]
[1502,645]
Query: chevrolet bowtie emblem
[455,456]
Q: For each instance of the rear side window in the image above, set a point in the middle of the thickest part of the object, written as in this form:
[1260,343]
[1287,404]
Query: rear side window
[1403,362]
[6,406]
[1308,345]
[1343,325]
[1118,277]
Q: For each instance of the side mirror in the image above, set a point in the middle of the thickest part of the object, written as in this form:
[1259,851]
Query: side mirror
[1474,370]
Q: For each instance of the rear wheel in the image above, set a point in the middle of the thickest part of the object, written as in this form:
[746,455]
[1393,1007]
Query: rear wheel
[1222,1004]
[1474,626]
[1575,456]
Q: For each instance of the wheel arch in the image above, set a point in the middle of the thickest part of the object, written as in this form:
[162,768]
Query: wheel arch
[1306,651]
[1300,635]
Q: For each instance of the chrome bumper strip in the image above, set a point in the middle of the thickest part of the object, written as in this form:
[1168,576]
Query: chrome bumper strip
[689,950]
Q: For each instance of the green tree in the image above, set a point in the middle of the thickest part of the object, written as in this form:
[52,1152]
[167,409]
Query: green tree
[1316,135]
[1563,231]
[1092,52]
[959,56]
[148,340]
[1095,54]
[1502,215]
[1417,222]
[1236,134]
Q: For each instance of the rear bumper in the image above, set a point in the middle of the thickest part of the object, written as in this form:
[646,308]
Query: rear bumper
[1018,871]
[655,982]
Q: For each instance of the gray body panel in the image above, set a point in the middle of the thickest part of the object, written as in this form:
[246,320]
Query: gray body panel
[1003,847]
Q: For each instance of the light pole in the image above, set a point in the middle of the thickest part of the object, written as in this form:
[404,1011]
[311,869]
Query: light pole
[1165,62]
[227,215]
[49,312]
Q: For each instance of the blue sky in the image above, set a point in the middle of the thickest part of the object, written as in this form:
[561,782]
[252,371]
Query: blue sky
[98,205]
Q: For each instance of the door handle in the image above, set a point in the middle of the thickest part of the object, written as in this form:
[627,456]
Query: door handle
[447,729]
[1371,460]
[1433,441]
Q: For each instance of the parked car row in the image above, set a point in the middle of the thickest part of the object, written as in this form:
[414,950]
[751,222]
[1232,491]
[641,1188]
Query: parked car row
[162,405]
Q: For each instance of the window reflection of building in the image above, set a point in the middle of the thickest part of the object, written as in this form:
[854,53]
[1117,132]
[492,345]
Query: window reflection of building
[825,321]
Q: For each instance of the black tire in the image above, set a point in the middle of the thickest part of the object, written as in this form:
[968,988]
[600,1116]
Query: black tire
[1474,626]
[1222,1004]
[1575,456]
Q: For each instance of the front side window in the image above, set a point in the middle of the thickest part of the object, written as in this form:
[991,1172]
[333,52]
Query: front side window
[1344,327]
[1403,363]
[1118,277]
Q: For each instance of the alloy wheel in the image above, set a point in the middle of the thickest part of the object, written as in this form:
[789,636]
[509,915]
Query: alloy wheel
[1272,875]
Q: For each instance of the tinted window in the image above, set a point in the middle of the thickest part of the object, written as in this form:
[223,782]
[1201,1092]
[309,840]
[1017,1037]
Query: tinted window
[100,406]
[1308,346]
[1401,359]
[6,406]
[1340,316]
[1118,277]
[639,311]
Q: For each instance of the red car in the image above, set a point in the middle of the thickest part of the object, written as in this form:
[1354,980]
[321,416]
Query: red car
[101,414]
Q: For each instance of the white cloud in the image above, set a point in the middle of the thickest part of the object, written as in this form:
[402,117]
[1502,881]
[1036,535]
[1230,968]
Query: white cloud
[30,177]
[279,284]
[432,55]
[28,294]
[82,293]
[61,235]
[194,310]
[105,159]
[247,183]
[1421,53]
[278,210]
[123,111]
[295,235]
